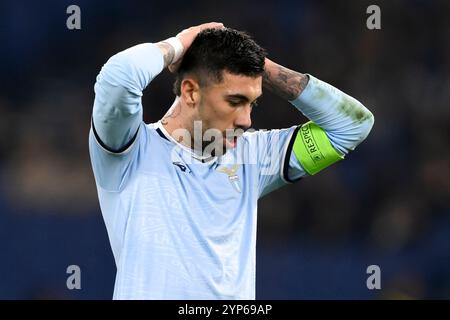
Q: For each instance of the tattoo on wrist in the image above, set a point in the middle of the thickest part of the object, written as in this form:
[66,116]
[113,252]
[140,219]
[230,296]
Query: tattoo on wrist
[168,52]
[284,82]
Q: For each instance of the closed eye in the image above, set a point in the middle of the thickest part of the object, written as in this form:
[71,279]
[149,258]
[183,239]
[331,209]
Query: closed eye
[238,103]
[236,100]
[235,103]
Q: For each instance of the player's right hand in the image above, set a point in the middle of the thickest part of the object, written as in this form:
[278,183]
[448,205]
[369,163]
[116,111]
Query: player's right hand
[188,35]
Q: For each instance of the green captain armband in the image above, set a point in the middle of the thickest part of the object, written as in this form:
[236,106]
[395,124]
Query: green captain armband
[313,149]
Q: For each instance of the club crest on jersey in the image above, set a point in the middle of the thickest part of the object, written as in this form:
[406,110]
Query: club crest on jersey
[232,176]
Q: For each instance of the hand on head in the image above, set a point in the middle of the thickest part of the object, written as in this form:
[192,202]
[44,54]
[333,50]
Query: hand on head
[188,35]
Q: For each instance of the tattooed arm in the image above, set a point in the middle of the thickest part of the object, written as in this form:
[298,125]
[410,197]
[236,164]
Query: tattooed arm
[168,52]
[286,83]
[337,119]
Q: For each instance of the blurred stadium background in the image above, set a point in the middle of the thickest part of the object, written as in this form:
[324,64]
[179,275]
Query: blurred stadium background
[388,204]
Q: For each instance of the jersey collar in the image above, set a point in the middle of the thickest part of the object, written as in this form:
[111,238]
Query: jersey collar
[164,134]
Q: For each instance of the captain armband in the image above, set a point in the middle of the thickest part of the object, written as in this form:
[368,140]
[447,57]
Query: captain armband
[313,149]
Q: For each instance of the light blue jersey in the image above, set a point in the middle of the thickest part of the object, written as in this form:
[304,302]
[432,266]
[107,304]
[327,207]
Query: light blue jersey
[181,227]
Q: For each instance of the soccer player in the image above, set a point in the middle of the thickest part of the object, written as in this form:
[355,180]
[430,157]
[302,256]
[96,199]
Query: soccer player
[179,197]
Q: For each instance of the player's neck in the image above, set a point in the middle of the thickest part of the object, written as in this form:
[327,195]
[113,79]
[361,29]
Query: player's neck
[179,125]
[172,120]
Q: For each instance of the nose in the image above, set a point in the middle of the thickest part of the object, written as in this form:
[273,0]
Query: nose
[244,119]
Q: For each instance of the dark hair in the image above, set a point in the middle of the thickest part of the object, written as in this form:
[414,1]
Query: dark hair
[215,50]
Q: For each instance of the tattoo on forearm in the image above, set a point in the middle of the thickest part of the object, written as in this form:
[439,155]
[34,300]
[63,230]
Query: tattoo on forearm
[284,82]
[168,52]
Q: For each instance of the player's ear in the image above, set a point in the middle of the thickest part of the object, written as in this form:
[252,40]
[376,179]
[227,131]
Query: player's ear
[190,91]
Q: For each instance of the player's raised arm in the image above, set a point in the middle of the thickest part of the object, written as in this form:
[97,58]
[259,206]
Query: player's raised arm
[338,122]
[117,111]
